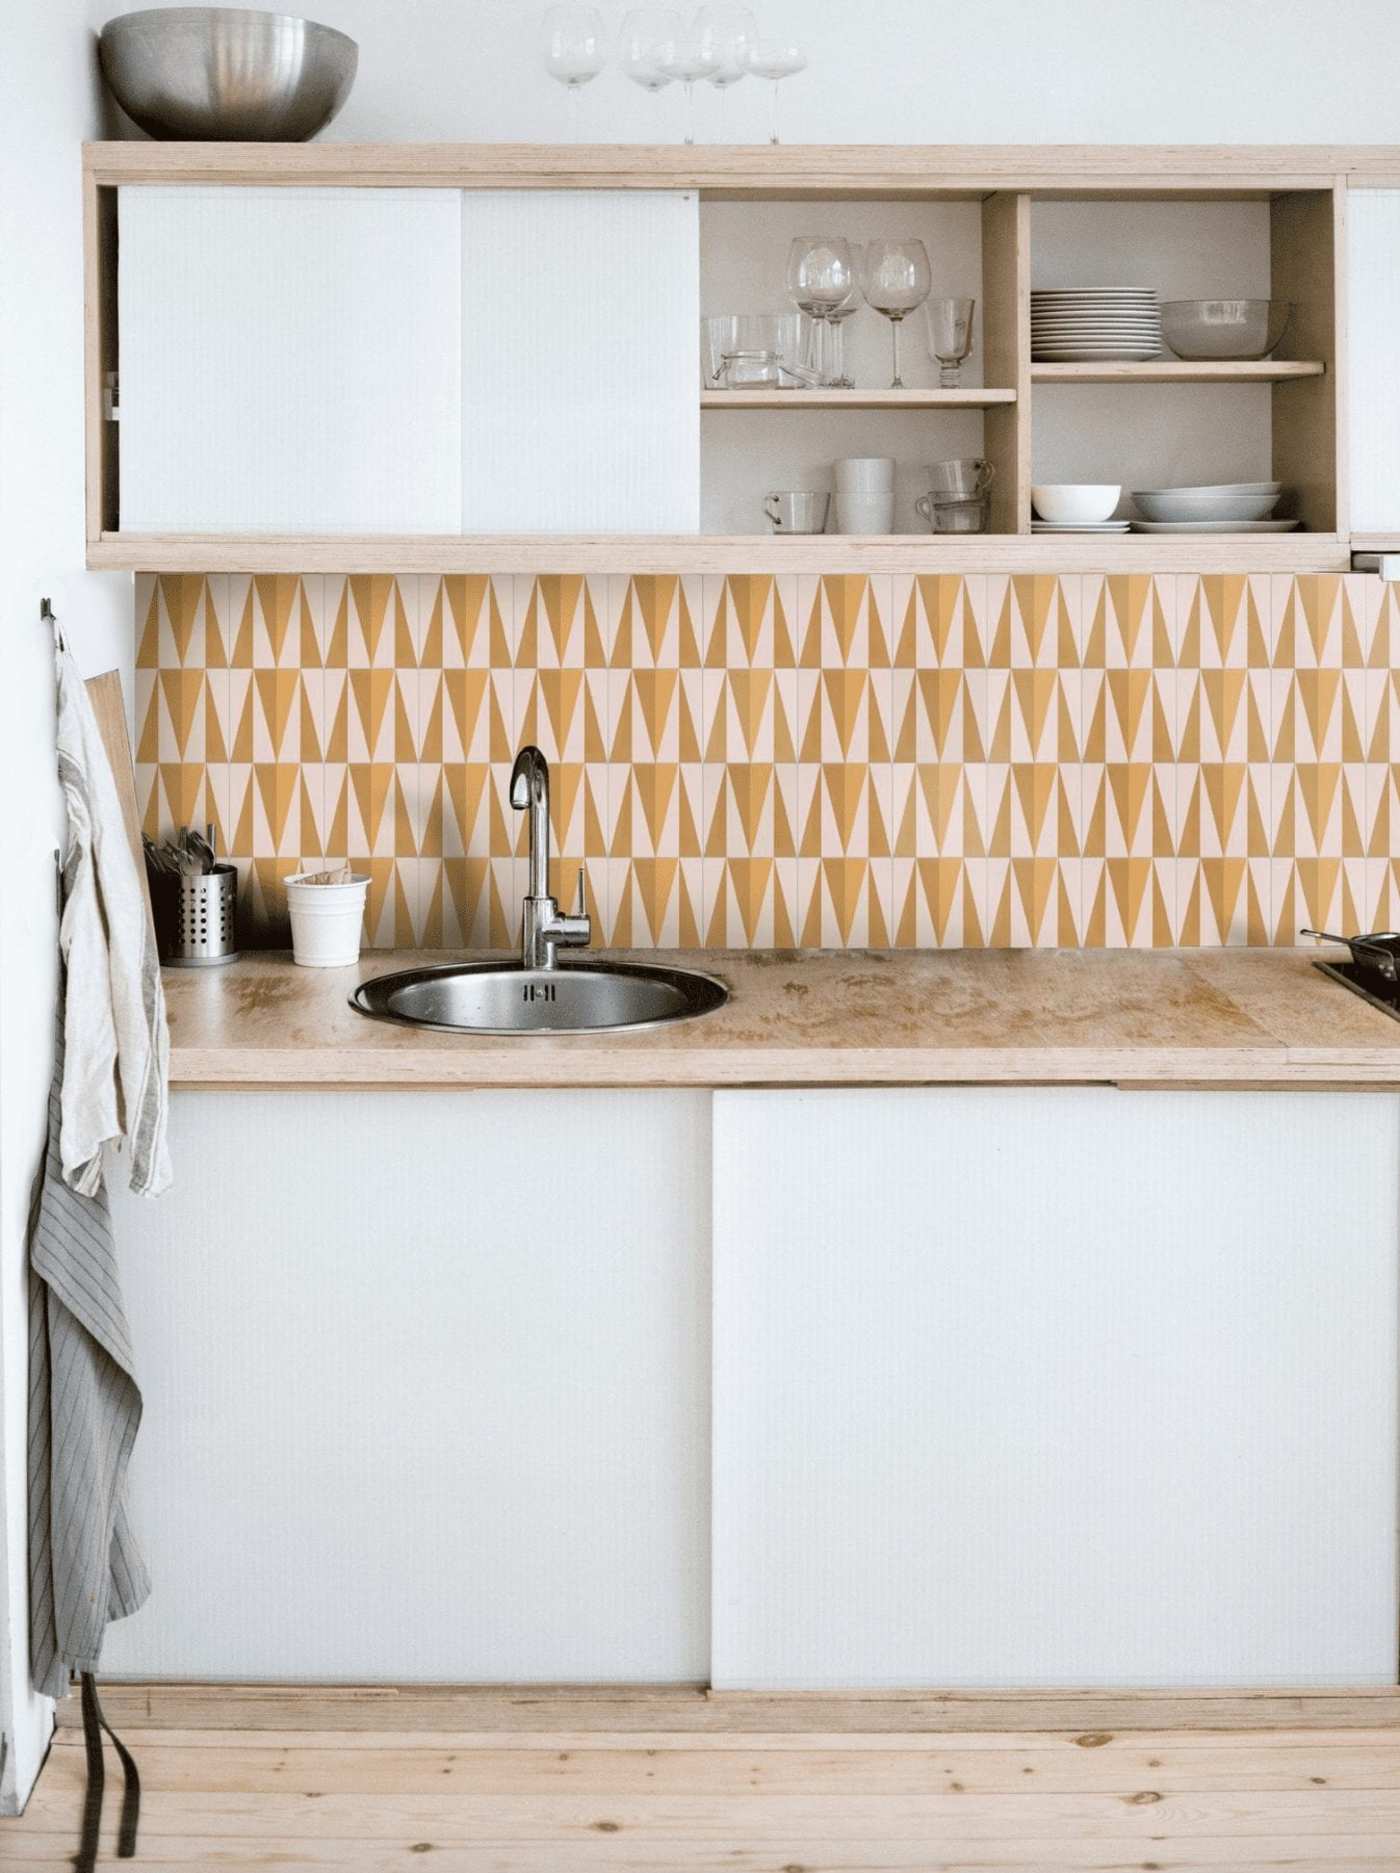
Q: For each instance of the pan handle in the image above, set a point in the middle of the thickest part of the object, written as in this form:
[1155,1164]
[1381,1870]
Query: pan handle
[1327,937]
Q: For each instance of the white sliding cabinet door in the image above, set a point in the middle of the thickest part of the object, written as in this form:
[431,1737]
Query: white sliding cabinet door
[290,360]
[1373,357]
[1055,1388]
[426,1380]
[580,361]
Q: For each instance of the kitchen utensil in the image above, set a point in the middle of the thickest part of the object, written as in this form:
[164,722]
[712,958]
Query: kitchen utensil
[896,278]
[326,920]
[948,323]
[776,59]
[197,917]
[1172,504]
[108,706]
[219,74]
[1225,328]
[1076,501]
[1379,953]
[952,516]
[821,278]
[797,510]
[575,50]
[201,849]
[962,480]
[646,45]
[1215,526]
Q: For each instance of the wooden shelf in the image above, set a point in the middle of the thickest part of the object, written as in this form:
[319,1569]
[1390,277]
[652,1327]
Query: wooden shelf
[976,398]
[1177,371]
[828,553]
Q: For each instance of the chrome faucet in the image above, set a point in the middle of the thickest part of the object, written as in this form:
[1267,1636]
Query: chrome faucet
[545,927]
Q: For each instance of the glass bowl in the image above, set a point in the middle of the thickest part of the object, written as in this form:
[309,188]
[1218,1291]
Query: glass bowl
[1225,329]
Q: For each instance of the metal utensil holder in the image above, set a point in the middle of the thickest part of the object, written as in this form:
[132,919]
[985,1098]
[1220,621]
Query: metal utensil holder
[201,919]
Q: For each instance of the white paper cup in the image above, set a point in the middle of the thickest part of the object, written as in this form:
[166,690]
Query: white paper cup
[326,921]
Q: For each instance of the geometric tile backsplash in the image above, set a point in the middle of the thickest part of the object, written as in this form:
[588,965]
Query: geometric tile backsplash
[795,761]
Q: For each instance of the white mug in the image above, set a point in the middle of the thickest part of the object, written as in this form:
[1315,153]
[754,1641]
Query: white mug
[865,494]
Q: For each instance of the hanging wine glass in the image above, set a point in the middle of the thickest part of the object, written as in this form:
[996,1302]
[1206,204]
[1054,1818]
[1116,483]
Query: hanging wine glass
[575,50]
[690,59]
[896,279]
[775,59]
[821,276]
[728,33]
[647,44]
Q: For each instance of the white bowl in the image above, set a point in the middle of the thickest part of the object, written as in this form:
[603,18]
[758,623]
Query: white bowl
[1076,500]
[1168,505]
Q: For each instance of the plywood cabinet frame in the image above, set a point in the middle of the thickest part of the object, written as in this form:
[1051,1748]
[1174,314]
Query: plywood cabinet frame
[1305,185]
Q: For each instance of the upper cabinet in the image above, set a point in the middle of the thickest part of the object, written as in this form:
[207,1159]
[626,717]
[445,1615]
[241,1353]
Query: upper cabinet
[290,360]
[1373,326]
[406,361]
[398,357]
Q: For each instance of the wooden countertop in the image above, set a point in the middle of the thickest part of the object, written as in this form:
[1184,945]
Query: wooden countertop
[1255,1018]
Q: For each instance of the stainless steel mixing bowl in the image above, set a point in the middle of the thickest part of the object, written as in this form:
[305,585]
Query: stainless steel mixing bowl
[227,74]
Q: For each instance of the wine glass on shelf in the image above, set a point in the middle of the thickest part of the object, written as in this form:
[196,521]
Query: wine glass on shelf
[689,59]
[949,327]
[728,33]
[821,276]
[896,279]
[575,50]
[646,46]
[836,319]
[776,59]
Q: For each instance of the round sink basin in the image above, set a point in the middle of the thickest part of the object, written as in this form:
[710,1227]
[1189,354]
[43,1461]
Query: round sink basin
[504,998]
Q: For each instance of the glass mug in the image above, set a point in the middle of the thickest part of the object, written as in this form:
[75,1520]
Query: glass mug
[797,510]
[965,480]
[953,516]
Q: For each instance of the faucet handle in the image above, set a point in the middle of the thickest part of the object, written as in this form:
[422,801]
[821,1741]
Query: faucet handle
[580,898]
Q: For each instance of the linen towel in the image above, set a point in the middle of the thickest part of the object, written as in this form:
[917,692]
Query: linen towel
[116,1083]
[84,1410]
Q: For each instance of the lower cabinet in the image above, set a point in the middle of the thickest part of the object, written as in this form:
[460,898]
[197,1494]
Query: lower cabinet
[994,1388]
[426,1379]
[1055,1387]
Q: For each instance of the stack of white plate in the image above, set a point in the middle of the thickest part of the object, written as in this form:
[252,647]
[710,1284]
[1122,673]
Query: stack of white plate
[1107,322]
[1224,507]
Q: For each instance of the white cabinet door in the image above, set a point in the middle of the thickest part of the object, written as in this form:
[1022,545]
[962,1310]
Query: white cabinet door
[1055,1388]
[426,1383]
[580,361]
[1373,358]
[290,360]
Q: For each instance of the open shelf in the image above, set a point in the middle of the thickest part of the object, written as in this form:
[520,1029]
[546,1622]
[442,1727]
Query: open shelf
[977,398]
[1178,371]
[824,553]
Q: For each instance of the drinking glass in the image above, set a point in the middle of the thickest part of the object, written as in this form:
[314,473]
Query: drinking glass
[949,325]
[821,276]
[728,33]
[836,319]
[776,59]
[689,58]
[575,50]
[647,45]
[896,279]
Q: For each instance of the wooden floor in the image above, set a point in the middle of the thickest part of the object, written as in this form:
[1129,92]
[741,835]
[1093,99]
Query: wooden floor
[651,1782]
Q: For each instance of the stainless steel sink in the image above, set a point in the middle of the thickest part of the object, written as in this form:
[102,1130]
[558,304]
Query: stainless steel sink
[570,998]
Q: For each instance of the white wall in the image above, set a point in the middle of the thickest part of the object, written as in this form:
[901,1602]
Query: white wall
[48,103]
[912,71]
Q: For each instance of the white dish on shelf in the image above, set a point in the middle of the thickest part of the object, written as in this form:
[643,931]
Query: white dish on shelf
[1079,526]
[1097,354]
[1173,506]
[1074,502]
[1215,526]
[1223,487]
